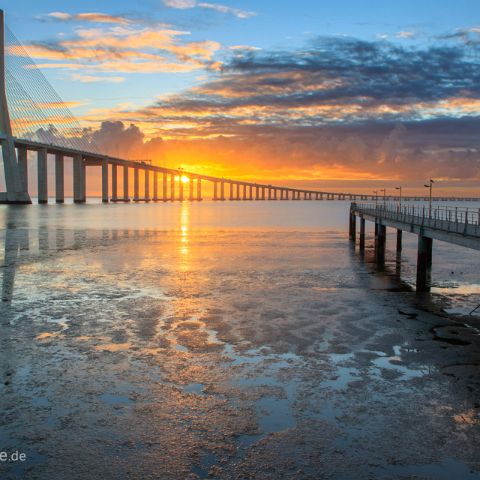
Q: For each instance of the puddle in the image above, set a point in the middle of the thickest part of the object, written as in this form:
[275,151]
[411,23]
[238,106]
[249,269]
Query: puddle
[196,388]
[207,461]
[113,399]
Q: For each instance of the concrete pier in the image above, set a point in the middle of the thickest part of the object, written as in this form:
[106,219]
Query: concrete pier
[165,187]
[180,188]
[191,198]
[155,186]
[23,166]
[79,179]
[42,176]
[380,243]
[362,233]
[136,185]
[59,178]
[424,263]
[399,240]
[114,182]
[147,185]
[199,189]
[126,194]
[105,181]
[172,187]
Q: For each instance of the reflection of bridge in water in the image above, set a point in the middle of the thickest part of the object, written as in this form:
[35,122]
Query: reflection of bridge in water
[33,133]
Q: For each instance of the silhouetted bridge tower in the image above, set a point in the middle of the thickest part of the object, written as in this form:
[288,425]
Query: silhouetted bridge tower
[21,83]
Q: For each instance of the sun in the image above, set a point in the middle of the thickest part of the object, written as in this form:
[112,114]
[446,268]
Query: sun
[184,179]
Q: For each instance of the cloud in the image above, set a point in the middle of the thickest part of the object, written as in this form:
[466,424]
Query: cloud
[187,4]
[126,49]
[338,107]
[94,79]
[88,17]
[406,34]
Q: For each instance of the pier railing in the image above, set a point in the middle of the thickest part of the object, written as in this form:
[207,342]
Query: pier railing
[463,221]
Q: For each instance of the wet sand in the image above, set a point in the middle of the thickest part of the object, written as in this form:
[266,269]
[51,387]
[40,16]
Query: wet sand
[229,353]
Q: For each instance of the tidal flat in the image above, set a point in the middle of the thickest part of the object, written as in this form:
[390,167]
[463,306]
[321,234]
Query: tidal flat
[230,341]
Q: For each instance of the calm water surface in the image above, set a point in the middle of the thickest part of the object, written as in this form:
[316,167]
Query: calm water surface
[231,340]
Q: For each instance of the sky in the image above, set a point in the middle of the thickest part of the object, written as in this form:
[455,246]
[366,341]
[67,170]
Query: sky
[315,93]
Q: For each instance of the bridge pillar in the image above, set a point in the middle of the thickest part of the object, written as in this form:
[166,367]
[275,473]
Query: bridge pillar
[362,233]
[269,193]
[164,187]
[199,189]
[250,192]
[136,186]
[399,240]
[105,180]
[238,191]
[190,189]
[353,227]
[380,242]
[180,188]
[59,179]
[155,186]
[114,182]
[424,263]
[23,166]
[126,196]
[257,192]
[222,190]
[42,176]
[215,195]
[79,179]
[231,191]
[147,185]
[172,187]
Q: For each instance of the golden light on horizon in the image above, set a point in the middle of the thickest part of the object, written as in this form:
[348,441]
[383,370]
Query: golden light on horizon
[184,179]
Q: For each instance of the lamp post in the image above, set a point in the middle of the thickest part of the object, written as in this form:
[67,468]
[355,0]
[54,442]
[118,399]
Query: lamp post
[429,186]
[384,190]
[400,197]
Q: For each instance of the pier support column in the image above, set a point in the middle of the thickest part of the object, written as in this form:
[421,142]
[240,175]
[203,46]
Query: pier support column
[244,192]
[126,197]
[59,179]
[257,193]
[164,187]
[199,189]
[180,188]
[362,233]
[155,186]
[190,189]
[353,227]
[23,166]
[105,181]
[237,191]
[222,190]
[114,182]
[42,176]
[424,263]
[79,180]
[147,185]
[380,242]
[215,191]
[231,190]
[136,193]
[250,192]
[172,187]
[399,241]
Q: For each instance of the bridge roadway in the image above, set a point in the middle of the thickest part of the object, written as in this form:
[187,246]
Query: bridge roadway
[170,188]
[459,226]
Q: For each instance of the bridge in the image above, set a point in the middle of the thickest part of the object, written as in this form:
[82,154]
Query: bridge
[459,226]
[20,79]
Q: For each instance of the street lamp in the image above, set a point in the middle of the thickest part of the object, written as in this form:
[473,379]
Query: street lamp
[384,190]
[376,198]
[400,197]
[430,185]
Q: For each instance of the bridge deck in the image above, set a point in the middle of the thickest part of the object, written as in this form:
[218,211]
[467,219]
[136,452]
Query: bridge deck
[459,226]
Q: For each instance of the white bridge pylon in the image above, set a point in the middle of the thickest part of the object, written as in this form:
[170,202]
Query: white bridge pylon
[14,181]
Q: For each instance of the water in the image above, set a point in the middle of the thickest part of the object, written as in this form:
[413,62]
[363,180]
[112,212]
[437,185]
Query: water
[226,340]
